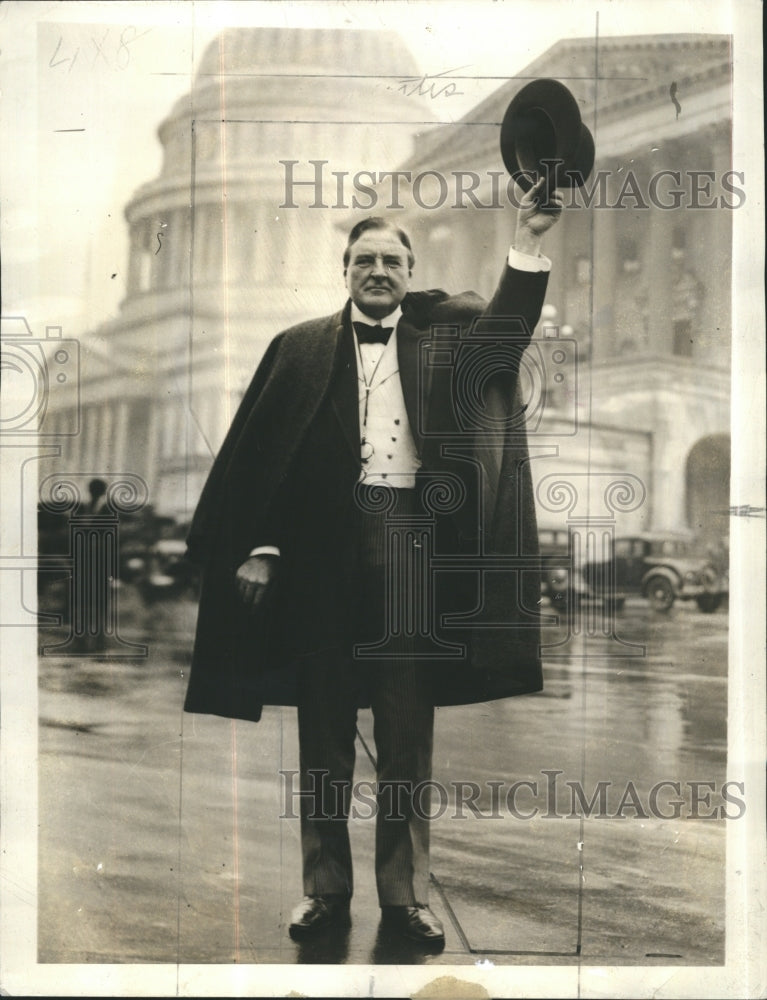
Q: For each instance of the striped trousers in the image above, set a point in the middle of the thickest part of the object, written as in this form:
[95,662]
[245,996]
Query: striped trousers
[332,685]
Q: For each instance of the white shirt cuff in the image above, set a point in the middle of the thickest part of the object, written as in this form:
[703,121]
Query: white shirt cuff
[265,550]
[526,262]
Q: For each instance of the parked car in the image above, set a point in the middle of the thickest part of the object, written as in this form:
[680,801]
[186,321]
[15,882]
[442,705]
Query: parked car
[560,581]
[662,567]
[168,573]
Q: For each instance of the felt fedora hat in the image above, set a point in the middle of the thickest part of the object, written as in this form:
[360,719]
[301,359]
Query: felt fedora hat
[543,124]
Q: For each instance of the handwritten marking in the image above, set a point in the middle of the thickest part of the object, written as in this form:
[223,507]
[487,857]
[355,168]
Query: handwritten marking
[69,59]
[159,243]
[125,42]
[412,86]
[674,101]
[115,54]
[100,48]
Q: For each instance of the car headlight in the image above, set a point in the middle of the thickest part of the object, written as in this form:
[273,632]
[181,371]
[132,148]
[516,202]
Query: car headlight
[691,576]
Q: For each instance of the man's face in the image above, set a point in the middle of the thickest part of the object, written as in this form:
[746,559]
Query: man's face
[378,274]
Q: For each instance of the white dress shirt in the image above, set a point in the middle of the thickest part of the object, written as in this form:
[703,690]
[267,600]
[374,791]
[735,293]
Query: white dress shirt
[387,447]
[394,459]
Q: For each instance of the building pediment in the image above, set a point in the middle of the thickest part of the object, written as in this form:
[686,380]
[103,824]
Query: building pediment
[633,73]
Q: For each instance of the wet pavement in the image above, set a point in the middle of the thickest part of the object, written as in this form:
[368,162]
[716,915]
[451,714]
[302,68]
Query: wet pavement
[161,838]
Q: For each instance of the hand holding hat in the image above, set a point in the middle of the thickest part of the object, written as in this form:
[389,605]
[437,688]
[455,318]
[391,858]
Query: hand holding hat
[542,136]
[537,214]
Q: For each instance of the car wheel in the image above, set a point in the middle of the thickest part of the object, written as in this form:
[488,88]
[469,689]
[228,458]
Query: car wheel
[660,593]
[708,603]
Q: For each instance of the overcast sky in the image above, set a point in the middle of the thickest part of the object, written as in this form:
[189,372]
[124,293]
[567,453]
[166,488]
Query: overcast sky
[85,86]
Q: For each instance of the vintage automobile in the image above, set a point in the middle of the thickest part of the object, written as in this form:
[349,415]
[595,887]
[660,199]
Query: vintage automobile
[150,551]
[167,574]
[661,567]
[560,581]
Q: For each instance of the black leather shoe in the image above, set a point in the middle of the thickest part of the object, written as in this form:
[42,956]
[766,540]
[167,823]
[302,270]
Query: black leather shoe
[315,912]
[416,922]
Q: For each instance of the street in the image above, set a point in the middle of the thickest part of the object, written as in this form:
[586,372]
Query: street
[585,824]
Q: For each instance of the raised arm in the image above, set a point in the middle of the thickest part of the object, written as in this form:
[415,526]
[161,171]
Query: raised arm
[523,281]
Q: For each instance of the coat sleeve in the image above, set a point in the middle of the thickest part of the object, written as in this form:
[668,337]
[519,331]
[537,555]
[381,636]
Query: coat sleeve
[207,515]
[519,295]
[519,299]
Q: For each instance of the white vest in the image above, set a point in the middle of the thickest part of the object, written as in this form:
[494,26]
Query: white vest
[387,448]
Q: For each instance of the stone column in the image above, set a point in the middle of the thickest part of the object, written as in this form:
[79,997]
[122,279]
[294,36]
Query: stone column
[159,255]
[604,274]
[120,439]
[132,284]
[152,465]
[104,441]
[716,315]
[88,438]
[208,238]
[671,446]
[657,270]
[178,239]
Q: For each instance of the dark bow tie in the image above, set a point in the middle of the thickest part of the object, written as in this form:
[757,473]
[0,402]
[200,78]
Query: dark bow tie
[367,334]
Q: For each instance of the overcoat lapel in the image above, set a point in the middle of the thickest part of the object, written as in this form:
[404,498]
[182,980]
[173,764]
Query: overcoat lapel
[344,392]
[416,391]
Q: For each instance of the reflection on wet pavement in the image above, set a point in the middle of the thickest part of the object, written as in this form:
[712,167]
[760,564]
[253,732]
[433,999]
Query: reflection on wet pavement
[161,838]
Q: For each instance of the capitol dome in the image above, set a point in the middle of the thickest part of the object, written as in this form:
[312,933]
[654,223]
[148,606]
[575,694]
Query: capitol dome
[218,263]
[260,97]
[249,50]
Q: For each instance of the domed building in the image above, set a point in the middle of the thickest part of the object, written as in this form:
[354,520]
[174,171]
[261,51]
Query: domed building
[242,234]
[219,260]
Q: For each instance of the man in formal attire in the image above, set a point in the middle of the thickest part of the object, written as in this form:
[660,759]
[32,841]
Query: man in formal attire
[345,431]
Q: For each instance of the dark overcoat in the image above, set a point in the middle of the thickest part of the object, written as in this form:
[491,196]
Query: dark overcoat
[286,476]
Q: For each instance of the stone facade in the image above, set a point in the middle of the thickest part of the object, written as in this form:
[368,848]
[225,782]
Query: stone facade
[216,266]
[220,260]
[642,274]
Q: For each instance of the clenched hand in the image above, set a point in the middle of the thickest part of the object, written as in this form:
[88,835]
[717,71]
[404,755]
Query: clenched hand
[534,219]
[253,578]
